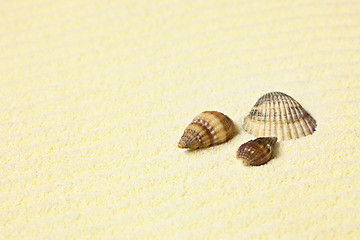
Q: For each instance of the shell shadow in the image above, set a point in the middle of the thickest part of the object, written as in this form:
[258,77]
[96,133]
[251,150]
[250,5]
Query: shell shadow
[276,151]
[191,151]
[238,130]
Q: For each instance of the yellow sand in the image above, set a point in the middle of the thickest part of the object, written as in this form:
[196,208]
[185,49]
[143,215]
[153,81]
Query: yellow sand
[96,94]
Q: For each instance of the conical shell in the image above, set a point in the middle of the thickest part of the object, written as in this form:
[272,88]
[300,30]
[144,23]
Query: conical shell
[256,152]
[276,114]
[207,129]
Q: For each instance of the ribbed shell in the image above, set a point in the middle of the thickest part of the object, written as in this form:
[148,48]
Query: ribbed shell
[207,129]
[256,152]
[276,114]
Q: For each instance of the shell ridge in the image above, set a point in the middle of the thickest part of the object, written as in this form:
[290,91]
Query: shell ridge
[207,135]
[226,123]
[311,123]
[206,129]
[279,128]
[265,117]
[302,116]
[278,114]
[256,152]
[189,139]
[194,134]
[217,131]
[297,121]
[208,117]
[286,117]
[303,121]
[272,123]
[204,122]
[265,151]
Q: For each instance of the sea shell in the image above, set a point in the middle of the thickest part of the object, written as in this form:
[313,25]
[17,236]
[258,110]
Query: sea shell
[256,152]
[276,114]
[207,129]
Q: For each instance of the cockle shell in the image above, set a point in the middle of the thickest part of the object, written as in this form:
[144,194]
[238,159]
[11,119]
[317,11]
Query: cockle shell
[207,129]
[256,152]
[276,114]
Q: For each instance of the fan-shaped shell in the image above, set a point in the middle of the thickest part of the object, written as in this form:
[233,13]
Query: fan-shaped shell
[256,152]
[207,129]
[276,114]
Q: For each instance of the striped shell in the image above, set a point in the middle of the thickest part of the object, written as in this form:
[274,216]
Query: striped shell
[276,114]
[207,129]
[256,152]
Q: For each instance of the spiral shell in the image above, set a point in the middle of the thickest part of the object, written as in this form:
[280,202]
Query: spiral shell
[256,152]
[276,114]
[207,129]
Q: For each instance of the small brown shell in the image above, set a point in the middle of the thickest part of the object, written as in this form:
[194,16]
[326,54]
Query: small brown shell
[276,114]
[207,129]
[256,152]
